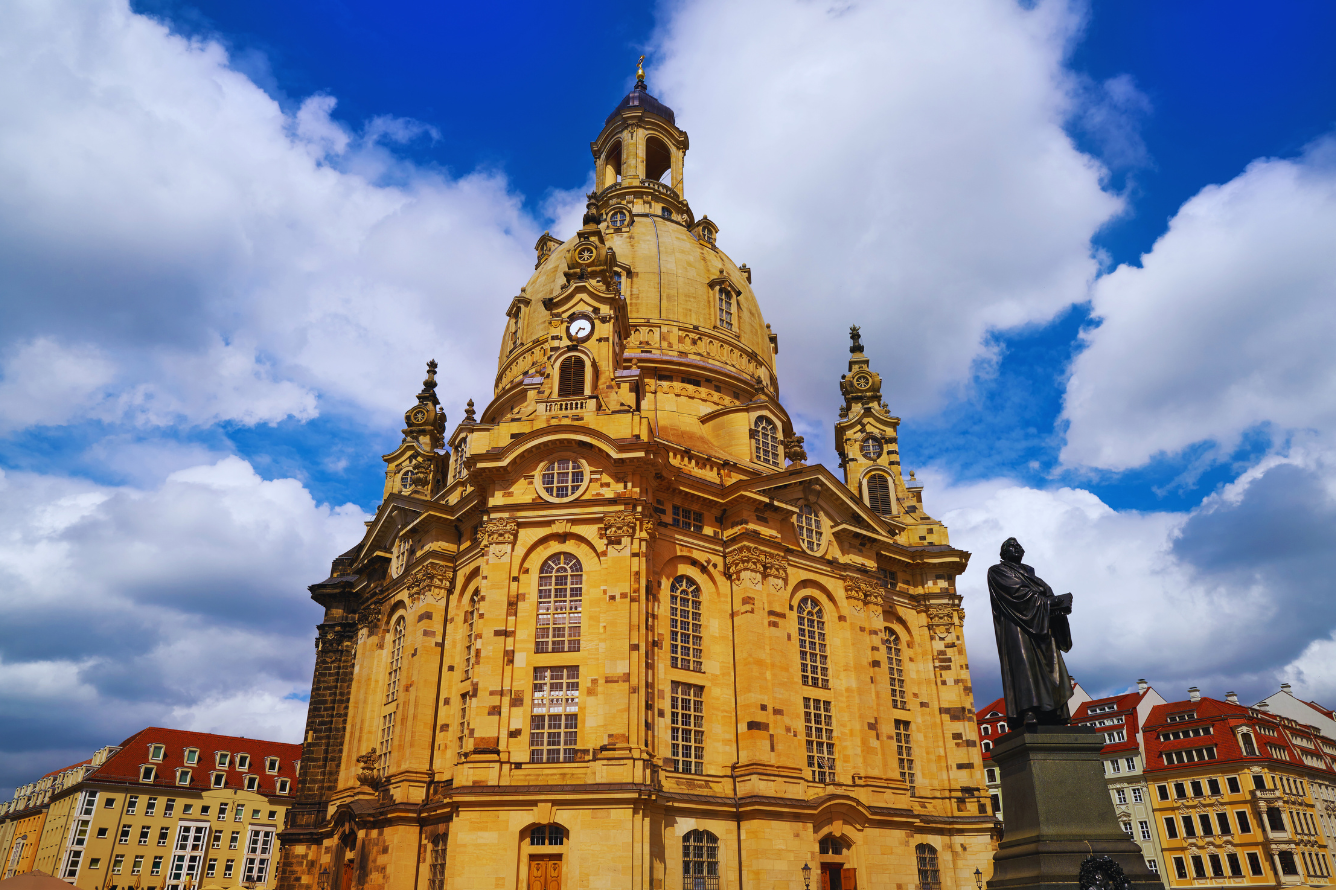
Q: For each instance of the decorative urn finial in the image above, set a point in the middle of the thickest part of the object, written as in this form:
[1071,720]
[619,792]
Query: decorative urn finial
[591,217]
[468,413]
[854,335]
[640,74]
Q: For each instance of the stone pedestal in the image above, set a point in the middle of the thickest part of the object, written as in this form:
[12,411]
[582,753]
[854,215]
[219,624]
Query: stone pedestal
[1058,812]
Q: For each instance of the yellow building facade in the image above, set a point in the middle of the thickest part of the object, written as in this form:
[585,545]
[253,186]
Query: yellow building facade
[618,634]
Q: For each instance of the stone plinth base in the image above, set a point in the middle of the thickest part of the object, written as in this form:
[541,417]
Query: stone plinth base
[1058,812]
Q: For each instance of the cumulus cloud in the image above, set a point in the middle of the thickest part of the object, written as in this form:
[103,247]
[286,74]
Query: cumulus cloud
[200,256]
[182,604]
[1226,325]
[902,166]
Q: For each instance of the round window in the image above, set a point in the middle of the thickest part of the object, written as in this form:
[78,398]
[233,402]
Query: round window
[667,214]
[618,217]
[872,448]
[562,479]
[585,253]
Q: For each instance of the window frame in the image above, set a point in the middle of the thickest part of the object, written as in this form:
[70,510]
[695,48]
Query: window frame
[686,624]
[553,612]
[809,528]
[765,442]
[573,486]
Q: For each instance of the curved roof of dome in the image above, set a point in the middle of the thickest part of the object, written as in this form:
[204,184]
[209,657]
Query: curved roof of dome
[640,97]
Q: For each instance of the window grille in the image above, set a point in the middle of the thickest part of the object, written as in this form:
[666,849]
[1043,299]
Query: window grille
[808,524]
[571,377]
[547,836]
[560,587]
[812,644]
[819,730]
[929,876]
[904,752]
[895,667]
[386,740]
[396,660]
[463,734]
[765,446]
[691,520]
[562,478]
[700,861]
[436,869]
[470,636]
[684,617]
[555,715]
[725,308]
[687,706]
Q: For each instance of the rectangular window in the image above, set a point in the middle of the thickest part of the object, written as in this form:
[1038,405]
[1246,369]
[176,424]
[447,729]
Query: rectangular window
[192,756]
[94,862]
[131,804]
[216,840]
[1217,869]
[137,866]
[253,782]
[283,786]
[256,863]
[1162,791]
[1115,766]
[1259,781]
[1204,819]
[819,732]
[1196,788]
[1235,868]
[555,716]
[89,803]
[163,834]
[117,863]
[1127,827]
[150,806]
[212,868]
[1170,828]
[687,705]
[222,812]
[271,764]
[125,834]
[183,777]
[157,866]
[1180,868]
[1245,825]
[72,864]
[1131,764]
[1222,820]
[238,813]
[1153,866]
[234,841]
[227,868]
[1198,867]
[1180,791]
[219,779]
[143,835]
[1213,786]
[222,759]
[1144,827]
[1254,864]
[1118,735]
[1232,783]
[691,520]
[243,761]
[156,752]
[1137,797]
[904,752]
[990,775]
[1189,829]
[725,308]
[1120,795]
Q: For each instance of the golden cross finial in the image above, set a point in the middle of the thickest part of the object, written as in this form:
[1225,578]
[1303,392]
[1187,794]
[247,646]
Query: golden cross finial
[640,70]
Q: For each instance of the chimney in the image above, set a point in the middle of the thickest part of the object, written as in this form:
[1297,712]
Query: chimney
[1285,687]
[1194,693]
[1142,686]
[1232,698]
[1263,705]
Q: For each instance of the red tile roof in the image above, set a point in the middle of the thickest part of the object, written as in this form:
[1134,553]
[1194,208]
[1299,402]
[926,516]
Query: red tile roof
[123,766]
[1224,719]
[1124,706]
[56,772]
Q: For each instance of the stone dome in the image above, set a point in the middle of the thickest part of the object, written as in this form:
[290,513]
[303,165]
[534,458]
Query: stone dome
[640,98]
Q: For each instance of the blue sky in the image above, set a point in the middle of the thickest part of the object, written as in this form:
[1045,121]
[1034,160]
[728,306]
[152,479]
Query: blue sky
[1087,245]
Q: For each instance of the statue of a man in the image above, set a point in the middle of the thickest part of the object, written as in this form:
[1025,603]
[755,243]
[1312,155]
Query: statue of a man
[1030,622]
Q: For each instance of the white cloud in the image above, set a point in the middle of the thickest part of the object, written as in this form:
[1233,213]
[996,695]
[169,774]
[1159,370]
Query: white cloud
[199,256]
[901,166]
[179,604]
[1226,325]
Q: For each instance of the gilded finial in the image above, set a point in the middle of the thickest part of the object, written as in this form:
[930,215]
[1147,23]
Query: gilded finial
[640,73]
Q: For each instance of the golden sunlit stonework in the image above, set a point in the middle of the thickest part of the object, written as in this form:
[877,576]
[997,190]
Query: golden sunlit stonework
[618,634]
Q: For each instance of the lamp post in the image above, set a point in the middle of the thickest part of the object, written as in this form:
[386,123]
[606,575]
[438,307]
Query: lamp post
[807,876]
[324,879]
[978,879]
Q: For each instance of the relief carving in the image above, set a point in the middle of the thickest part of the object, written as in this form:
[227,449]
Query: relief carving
[368,618]
[617,527]
[747,564]
[862,591]
[368,775]
[430,580]
[497,536]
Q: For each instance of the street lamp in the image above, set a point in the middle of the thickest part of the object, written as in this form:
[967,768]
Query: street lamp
[324,879]
[978,879]
[807,876]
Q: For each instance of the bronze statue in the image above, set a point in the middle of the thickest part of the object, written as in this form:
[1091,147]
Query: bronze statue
[1030,622]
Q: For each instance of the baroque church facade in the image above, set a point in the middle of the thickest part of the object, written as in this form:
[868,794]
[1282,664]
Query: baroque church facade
[613,631]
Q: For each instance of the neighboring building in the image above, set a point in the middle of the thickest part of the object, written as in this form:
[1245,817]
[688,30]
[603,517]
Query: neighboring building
[174,809]
[608,638]
[1307,713]
[23,819]
[1234,794]
[1119,718]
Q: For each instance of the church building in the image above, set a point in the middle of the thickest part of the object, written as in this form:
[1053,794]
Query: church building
[612,631]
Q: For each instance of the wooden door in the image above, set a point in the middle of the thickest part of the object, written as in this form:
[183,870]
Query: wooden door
[544,873]
[848,880]
[347,875]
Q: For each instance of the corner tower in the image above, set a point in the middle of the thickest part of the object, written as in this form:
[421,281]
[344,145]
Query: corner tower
[631,639]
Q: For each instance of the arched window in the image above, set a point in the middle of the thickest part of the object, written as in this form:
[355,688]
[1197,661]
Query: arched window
[560,586]
[470,635]
[830,846]
[879,494]
[765,445]
[436,869]
[613,164]
[684,621]
[461,455]
[1249,748]
[403,555]
[1001,729]
[515,330]
[700,861]
[987,745]
[396,660]
[985,730]
[808,524]
[658,159]
[725,307]
[895,667]
[547,836]
[812,644]
[571,377]
[929,876]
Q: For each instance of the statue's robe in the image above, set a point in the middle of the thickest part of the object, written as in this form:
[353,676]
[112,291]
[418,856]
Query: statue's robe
[1031,637]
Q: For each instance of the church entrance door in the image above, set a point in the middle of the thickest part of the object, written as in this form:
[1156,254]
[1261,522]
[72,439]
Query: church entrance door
[544,873]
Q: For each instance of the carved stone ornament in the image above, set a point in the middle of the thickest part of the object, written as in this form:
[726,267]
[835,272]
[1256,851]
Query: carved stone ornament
[368,618]
[1102,873]
[794,450]
[430,580]
[943,619]
[368,775]
[748,563]
[860,591]
[498,535]
[619,525]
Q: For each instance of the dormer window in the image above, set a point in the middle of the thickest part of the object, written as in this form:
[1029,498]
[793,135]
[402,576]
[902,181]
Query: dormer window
[725,307]
[879,494]
[252,783]
[243,761]
[148,773]
[619,218]
[192,756]
[218,780]
[283,786]
[222,760]
[156,752]
[183,777]
[271,764]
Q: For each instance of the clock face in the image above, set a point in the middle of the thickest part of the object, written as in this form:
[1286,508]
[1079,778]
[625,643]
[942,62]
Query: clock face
[419,416]
[862,381]
[579,329]
[585,254]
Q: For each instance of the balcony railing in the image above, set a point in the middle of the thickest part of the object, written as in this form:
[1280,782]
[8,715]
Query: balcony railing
[568,406]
